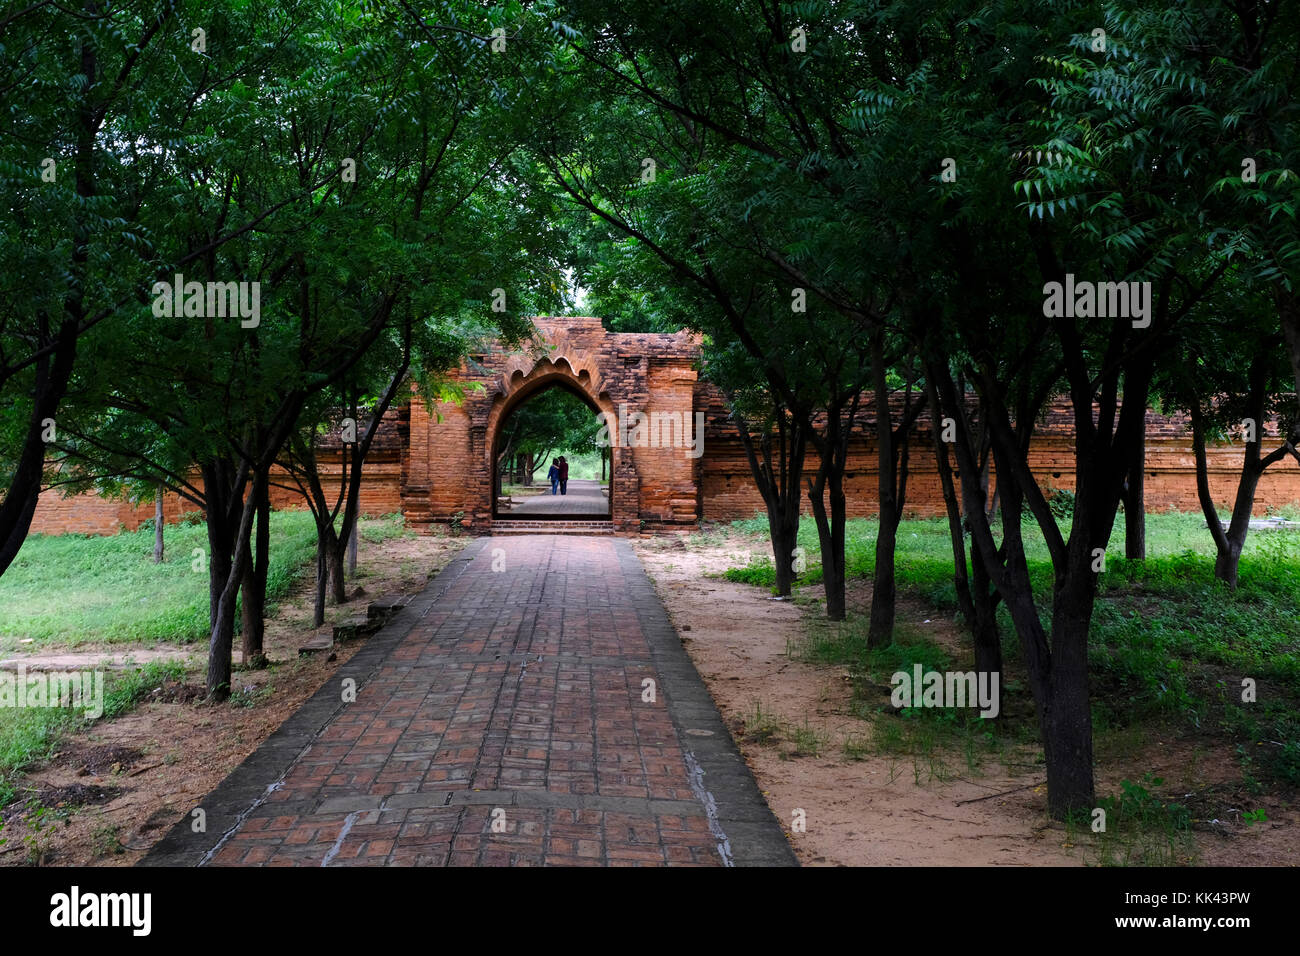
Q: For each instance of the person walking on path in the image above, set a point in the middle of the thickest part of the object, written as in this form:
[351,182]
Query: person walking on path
[553,476]
[564,476]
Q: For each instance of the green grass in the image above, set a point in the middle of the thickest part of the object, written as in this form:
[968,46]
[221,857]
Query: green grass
[932,737]
[129,688]
[76,589]
[1167,641]
[389,527]
[794,740]
[1135,828]
[80,589]
[29,735]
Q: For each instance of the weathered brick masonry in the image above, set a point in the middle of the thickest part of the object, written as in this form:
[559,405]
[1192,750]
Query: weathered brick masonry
[381,493]
[437,467]
[451,451]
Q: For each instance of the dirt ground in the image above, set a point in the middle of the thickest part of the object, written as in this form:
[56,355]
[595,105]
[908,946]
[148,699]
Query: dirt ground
[114,790]
[888,809]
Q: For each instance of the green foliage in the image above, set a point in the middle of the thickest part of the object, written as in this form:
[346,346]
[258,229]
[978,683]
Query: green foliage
[760,572]
[1137,804]
[1061,502]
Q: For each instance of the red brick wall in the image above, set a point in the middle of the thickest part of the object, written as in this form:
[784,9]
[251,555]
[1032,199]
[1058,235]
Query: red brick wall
[729,493]
[90,514]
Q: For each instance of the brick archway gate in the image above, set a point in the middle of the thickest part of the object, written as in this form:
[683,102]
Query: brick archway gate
[448,471]
[546,374]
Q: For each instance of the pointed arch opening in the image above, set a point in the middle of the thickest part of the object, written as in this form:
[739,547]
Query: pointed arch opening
[543,416]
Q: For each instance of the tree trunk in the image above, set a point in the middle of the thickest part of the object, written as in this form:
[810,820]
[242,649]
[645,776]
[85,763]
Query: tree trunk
[880,632]
[830,536]
[253,610]
[330,550]
[158,525]
[975,596]
[1065,717]
[1060,694]
[1228,561]
[220,561]
[229,519]
[1228,558]
[785,538]
[352,550]
[322,580]
[988,642]
[1229,544]
[221,640]
[956,535]
[884,595]
[778,475]
[217,494]
[338,589]
[832,449]
[1135,515]
[250,617]
[833,571]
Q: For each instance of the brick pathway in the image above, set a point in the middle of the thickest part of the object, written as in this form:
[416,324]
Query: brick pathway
[501,720]
[584,498]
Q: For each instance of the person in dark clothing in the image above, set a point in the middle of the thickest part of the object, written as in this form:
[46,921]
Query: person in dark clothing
[564,476]
[553,476]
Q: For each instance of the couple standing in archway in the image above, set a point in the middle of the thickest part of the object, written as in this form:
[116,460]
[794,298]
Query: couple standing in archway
[559,475]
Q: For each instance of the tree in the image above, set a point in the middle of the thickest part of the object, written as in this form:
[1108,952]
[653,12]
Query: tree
[340,142]
[696,190]
[87,90]
[1232,380]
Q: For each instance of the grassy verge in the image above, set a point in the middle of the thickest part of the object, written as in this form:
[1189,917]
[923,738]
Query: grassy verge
[77,589]
[30,735]
[1169,646]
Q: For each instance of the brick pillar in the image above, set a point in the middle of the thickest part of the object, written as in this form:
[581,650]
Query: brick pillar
[416,506]
[479,490]
[625,491]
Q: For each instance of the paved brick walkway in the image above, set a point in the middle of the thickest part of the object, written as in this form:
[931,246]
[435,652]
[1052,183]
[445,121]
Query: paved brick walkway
[584,498]
[501,720]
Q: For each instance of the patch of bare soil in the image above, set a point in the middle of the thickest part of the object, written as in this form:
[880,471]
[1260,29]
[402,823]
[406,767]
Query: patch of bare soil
[110,657]
[141,773]
[867,804]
